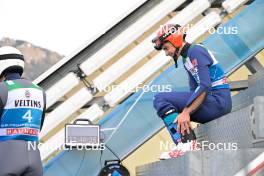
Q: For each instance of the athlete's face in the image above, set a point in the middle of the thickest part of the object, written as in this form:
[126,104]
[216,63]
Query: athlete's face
[168,48]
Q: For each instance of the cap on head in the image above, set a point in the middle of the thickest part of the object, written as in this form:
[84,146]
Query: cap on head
[169,33]
[11,60]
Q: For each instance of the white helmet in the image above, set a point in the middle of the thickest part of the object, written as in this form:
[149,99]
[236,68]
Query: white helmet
[11,60]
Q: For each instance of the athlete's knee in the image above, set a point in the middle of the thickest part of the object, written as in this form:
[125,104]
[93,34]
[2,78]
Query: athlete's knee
[161,104]
[158,100]
[160,97]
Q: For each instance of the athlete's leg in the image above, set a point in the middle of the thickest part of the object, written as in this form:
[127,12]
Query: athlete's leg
[13,158]
[168,106]
[214,106]
[35,164]
[165,101]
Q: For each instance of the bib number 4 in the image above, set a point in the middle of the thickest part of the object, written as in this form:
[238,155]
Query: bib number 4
[28,116]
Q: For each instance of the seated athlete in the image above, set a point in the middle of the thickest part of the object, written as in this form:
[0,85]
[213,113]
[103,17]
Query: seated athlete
[209,97]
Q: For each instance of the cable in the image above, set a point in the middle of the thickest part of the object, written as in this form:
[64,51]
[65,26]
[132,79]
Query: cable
[81,163]
[89,86]
[122,120]
[127,113]
[110,151]
[113,152]
[101,151]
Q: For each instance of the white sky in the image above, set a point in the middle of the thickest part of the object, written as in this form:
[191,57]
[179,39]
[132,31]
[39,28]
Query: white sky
[58,25]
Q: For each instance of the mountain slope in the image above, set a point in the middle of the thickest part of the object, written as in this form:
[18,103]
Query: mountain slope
[37,59]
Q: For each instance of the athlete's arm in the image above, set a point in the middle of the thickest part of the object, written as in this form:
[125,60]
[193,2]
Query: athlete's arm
[201,90]
[201,62]
[1,107]
[3,97]
[44,111]
[196,103]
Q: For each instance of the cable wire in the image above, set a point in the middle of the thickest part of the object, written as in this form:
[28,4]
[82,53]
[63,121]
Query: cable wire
[81,163]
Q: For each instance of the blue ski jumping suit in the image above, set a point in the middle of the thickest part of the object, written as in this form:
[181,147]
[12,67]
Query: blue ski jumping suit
[205,75]
[22,113]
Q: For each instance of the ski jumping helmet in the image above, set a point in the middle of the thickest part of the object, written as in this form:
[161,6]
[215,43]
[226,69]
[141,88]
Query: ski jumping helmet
[11,60]
[169,33]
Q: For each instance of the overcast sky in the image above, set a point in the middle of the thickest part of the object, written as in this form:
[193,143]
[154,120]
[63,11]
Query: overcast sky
[59,25]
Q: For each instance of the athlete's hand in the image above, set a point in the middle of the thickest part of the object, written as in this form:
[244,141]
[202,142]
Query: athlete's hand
[183,122]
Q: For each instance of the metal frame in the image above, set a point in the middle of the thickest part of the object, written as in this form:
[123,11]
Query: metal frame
[254,66]
[70,62]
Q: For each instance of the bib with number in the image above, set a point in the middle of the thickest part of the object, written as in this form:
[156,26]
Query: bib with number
[21,116]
